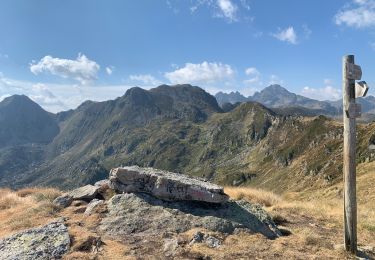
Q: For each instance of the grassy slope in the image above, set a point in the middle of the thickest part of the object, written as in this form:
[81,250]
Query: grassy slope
[314,219]
[249,146]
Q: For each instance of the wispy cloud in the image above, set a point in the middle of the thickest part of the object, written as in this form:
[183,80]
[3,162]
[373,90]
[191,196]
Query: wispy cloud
[274,79]
[328,92]
[287,35]
[82,69]
[254,75]
[145,79]
[59,97]
[109,70]
[358,14]
[228,9]
[205,72]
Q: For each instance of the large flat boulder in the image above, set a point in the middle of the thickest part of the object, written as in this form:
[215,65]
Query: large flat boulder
[165,185]
[48,242]
[142,214]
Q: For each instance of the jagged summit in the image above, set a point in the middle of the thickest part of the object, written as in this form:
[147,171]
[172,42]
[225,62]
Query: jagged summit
[276,96]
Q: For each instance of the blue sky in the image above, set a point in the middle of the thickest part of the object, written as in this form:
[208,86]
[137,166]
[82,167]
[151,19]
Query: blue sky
[61,53]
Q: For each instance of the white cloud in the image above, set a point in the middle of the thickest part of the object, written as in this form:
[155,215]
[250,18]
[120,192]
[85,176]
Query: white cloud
[328,82]
[286,35]
[325,93]
[109,70]
[254,76]
[145,79]
[358,14]
[59,97]
[228,9]
[252,71]
[245,4]
[41,94]
[205,72]
[328,92]
[274,79]
[82,69]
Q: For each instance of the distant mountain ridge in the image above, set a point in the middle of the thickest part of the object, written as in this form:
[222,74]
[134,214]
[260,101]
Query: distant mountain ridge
[179,128]
[275,96]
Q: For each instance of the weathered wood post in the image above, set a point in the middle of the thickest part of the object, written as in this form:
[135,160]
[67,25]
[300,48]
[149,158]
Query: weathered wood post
[350,203]
[351,111]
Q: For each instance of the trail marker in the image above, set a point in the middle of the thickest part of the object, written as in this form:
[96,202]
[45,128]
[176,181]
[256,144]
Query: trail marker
[351,111]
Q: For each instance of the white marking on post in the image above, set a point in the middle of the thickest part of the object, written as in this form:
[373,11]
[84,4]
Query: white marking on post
[361,89]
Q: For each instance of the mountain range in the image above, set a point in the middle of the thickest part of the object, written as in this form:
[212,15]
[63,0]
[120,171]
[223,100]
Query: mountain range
[179,128]
[286,102]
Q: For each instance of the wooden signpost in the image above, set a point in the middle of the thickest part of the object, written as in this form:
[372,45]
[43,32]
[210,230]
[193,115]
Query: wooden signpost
[351,110]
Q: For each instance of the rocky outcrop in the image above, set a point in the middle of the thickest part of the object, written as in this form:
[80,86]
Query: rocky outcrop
[139,213]
[87,192]
[63,201]
[93,205]
[48,242]
[165,185]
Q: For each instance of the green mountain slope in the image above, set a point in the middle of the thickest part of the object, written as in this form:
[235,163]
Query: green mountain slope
[182,128]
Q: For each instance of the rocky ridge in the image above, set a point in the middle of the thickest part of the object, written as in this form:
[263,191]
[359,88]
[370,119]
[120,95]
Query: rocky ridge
[137,214]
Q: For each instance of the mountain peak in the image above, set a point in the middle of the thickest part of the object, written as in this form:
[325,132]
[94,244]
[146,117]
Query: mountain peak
[16,99]
[24,121]
[276,88]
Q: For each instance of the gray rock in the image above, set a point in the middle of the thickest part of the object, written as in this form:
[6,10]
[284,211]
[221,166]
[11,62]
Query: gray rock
[212,242]
[170,246]
[63,201]
[87,192]
[48,242]
[197,238]
[140,213]
[165,185]
[93,205]
[101,183]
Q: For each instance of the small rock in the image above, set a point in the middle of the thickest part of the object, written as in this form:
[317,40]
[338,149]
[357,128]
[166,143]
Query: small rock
[102,183]
[63,201]
[212,242]
[48,242]
[197,238]
[87,192]
[93,205]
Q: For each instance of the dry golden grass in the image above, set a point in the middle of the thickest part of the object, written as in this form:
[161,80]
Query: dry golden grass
[253,195]
[313,219]
[26,209]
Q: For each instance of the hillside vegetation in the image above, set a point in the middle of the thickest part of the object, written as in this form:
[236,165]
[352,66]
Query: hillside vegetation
[310,221]
[182,129]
